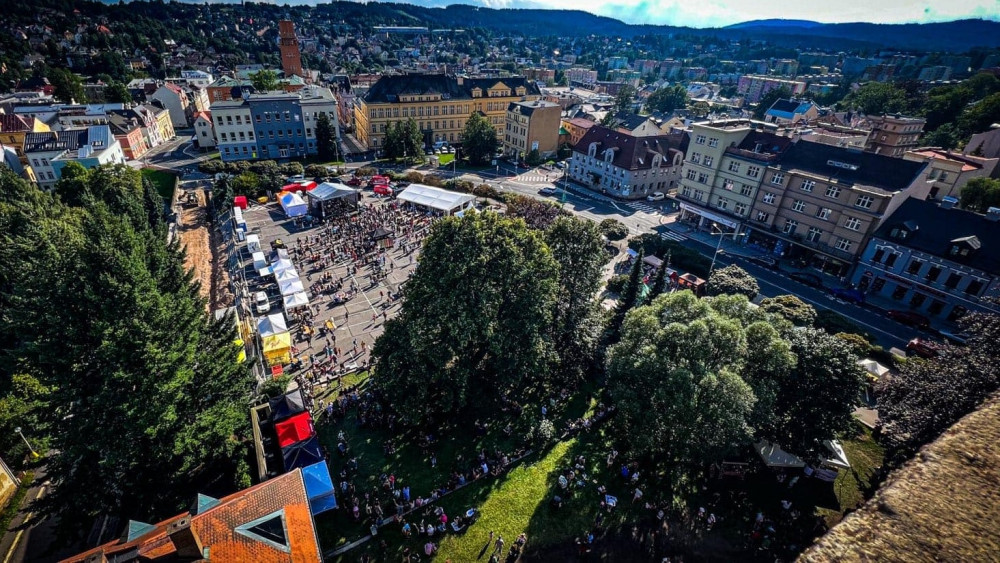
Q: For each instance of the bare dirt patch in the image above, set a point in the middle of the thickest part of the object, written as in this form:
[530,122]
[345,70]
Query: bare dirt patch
[196,236]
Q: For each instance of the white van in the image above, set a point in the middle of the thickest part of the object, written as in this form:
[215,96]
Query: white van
[261,303]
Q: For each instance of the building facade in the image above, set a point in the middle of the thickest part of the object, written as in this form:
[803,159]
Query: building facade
[173,98]
[934,259]
[754,87]
[204,132]
[532,126]
[234,132]
[894,135]
[440,105]
[13,130]
[626,166]
[949,172]
[49,153]
[577,128]
[291,58]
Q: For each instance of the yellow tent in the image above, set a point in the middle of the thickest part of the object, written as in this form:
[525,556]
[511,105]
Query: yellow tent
[241,354]
[278,348]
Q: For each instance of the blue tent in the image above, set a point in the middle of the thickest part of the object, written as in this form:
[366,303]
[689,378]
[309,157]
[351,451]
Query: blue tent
[319,487]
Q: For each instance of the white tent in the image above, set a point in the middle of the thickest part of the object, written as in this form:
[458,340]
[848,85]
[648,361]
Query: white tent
[436,198]
[259,260]
[874,369]
[293,204]
[295,300]
[282,265]
[291,286]
[286,275]
[774,456]
[253,243]
[272,324]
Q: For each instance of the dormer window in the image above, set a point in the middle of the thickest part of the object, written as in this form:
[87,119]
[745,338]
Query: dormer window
[477,92]
[965,246]
[899,233]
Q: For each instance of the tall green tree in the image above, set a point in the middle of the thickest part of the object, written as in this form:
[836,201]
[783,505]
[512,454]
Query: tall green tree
[412,139]
[475,323]
[628,298]
[68,86]
[577,247]
[668,99]
[479,139]
[659,281]
[264,80]
[791,308]
[622,104]
[979,194]
[326,138]
[116,92]
[876,98]
[732,280]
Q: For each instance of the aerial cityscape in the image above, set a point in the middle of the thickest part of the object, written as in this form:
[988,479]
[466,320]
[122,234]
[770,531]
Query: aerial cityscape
[503,282]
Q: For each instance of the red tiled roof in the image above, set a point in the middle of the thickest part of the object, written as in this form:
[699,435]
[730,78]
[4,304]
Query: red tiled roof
[216,527]
[12,123]
[631,152]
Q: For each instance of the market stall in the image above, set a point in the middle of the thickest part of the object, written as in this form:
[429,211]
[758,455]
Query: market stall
[277,348]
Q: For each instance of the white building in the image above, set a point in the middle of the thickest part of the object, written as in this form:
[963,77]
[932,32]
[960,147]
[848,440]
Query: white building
[49,153]
[204,131]
[622,165]
[174,100]
[234,128]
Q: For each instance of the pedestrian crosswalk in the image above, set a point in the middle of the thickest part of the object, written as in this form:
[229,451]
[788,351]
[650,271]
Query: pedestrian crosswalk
[671,235]
[531,178]
[642,206]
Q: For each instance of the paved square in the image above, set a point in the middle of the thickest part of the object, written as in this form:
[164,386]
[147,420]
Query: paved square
[348,274]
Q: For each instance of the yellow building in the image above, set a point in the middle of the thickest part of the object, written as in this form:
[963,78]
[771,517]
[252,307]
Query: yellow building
[13,129]
[165,125]
[439,104]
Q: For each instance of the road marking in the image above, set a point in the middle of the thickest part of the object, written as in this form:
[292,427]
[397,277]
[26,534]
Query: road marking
[17,537]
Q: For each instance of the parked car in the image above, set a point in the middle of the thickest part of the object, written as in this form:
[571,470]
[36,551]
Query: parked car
[383,189]
[910,318]
[811,280]
[656,196]
[261,303]
[764,261]
[354,181]
[548,190]
[848,294]
[959,338]
[924,348]
[561,164]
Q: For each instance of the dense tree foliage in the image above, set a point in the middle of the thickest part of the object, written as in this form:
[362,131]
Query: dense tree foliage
[732,280]
[475,323]
[928,396]
[980,194]
[666,100]
[479,140]
[627,299]
[876,98]
[613,229]
[697,379]
[791,308]
[139,393]
[264,80]
[326,139]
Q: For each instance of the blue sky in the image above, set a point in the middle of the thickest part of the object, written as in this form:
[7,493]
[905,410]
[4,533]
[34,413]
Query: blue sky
[714,13]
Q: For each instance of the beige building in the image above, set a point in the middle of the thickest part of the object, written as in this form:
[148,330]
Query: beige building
[819,204]
[440,105]
[948,172]
[626,166]
[893,135]
[532,125]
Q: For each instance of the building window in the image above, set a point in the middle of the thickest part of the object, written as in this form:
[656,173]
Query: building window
[746,189]
[891,260]
[957,312]
[974,287]
[914,267]
[768,198]
[686,191]
[723,203]
[753,171]
[691,175]
[807,185]
[814,234]
[879,254]
[713,142]
[703,178]
[699,140]
[763,217]
[707,161]
[900,292]
[864,202]
[935,307]
[843,244]
[853,223]
[953,281]
[790,227]
[798,205]
[824,213]
[778,178]
[833,192]
[740,209]
[699,195]
[933,273]
[734,166]
[696,157]
[728,184]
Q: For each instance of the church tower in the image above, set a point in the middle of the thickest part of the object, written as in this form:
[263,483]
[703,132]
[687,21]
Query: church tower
[291,59]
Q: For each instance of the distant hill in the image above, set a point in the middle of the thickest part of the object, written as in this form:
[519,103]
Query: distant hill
[955,36]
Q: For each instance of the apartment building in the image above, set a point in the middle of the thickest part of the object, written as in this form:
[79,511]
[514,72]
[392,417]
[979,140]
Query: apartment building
[754,87]
[175,100]
[820,204]
[49,153]
[722,172]
[440,105]
[14,128]
[626,166]
[934,259]
[577,128]
[893,135]
[948,172]
[274,125]
[530,126]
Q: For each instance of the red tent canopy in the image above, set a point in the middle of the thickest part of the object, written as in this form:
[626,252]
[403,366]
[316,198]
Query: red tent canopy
[240,201]
[295,429]
[299,187]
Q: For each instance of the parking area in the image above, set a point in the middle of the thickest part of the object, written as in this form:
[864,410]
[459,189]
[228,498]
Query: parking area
[352,268]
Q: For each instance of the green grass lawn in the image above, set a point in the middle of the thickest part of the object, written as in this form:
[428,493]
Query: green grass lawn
[445,159]
[164,182]
[865,456]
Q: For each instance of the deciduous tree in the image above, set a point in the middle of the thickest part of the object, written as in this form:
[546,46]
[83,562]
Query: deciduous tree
[264,80]
[666,100]
[732,280]
[479,140]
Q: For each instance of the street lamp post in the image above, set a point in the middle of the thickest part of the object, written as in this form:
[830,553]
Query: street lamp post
[34,454]
[718,247]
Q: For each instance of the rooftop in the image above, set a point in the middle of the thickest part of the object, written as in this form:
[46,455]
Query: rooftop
[631,152]
[943,505]
[851,167]
[388,89]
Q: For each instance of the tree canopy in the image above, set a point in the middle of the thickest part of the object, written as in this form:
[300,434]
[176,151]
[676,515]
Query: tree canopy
[479,140]
[666,100]
[476,320]
[876,98]
[979,194]
[326,139]
[732,280]
[264,80]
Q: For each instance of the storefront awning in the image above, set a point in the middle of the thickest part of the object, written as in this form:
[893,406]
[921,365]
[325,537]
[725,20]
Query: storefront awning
[709,215]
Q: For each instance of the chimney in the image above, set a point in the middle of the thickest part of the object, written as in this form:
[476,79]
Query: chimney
[461,80]
[993,214]
[948,202]
[185,540]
